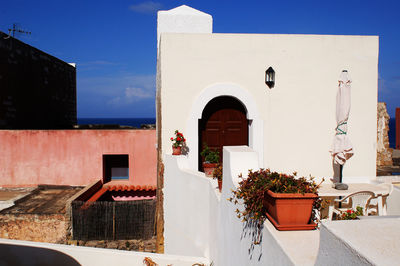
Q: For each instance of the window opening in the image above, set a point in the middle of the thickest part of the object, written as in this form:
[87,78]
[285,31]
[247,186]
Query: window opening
[116,167]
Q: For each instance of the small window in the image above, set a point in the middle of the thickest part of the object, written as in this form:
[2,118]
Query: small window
[116,167]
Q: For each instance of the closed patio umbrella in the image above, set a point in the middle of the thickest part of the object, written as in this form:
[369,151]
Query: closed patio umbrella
[342,149]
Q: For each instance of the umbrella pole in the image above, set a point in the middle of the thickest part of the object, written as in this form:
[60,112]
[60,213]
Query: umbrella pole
[340,180]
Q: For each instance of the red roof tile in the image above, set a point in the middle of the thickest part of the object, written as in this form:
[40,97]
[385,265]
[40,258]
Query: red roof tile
[128,187]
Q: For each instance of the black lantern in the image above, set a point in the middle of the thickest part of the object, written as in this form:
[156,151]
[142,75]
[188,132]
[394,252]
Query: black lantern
[270,77]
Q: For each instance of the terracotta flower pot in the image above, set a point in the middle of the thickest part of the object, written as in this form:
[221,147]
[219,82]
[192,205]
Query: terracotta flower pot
[209,168]
[177,150]
[289,212]
[219,185]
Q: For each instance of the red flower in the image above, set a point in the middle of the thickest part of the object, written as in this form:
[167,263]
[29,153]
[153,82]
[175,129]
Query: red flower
[349,211]
[178,138]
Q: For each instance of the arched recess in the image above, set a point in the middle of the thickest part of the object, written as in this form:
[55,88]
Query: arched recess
[223,123]
[255,124]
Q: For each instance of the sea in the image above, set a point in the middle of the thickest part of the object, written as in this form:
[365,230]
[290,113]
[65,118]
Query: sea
[134,122]
[137,122]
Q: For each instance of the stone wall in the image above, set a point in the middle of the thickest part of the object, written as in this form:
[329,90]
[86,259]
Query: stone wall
[384,153]
[33,227]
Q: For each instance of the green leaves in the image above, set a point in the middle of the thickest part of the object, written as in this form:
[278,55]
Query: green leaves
[211,156]
[351,214]
[252,188]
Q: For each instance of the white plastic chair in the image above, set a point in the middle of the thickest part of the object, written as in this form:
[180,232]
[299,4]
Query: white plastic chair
[373,206]
[361,198]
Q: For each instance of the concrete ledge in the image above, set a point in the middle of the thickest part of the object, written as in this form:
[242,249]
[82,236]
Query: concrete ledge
[300,246]
[55,254]
[388,179]
[360,242]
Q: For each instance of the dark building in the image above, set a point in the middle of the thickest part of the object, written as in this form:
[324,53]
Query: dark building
[37,90]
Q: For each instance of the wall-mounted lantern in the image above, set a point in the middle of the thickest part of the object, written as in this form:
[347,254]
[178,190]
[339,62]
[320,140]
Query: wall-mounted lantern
[270,77]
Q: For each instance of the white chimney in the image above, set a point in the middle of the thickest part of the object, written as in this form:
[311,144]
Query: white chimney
[183,19]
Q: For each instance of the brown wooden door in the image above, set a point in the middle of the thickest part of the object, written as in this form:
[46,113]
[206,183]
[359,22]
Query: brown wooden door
[223,123]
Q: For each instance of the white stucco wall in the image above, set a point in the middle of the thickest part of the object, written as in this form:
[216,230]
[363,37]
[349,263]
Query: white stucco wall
[26,253]
[200,221]
[189,198]
[370,241]
[297,117]
[393,200]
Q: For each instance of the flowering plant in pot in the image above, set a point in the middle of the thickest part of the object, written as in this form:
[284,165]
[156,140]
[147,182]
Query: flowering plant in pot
[351,214]
[289,202]
[217,174]
[177,143]
[211,160]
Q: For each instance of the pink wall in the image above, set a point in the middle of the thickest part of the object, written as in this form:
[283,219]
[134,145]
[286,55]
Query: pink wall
[73,157]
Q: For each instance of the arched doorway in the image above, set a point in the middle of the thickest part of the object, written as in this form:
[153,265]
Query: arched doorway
[223,123]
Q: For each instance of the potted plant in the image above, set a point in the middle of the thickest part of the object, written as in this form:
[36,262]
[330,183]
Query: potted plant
[290,203]
[217,174]
[177,143]
[351,214]
[211,159]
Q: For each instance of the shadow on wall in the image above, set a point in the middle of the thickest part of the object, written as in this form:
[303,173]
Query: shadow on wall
[24,255]
[253,229]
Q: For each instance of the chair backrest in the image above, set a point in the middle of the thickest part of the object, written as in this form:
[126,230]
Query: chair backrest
[362,199]
[387,186]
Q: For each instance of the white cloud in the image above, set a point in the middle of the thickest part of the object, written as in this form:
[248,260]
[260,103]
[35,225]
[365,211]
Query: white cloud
[147,7]
[132,93]
[113,86]
[137,88]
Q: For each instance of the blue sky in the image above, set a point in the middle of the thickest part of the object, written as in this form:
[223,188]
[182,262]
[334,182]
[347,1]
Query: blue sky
[114,42]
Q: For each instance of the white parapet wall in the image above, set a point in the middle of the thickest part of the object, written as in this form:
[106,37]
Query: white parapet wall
[393,201]
[370,241]
[189,201]
[201,222]
[25,253]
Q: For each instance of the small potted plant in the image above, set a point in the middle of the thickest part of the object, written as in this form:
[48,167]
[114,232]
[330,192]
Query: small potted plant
[211,160]
[351,214]
[177,143]
[217,174]
[289,202]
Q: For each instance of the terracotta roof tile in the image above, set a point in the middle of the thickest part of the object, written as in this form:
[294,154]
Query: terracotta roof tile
[128,187]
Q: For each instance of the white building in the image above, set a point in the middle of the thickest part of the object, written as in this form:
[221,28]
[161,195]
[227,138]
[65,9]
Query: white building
[212,88]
